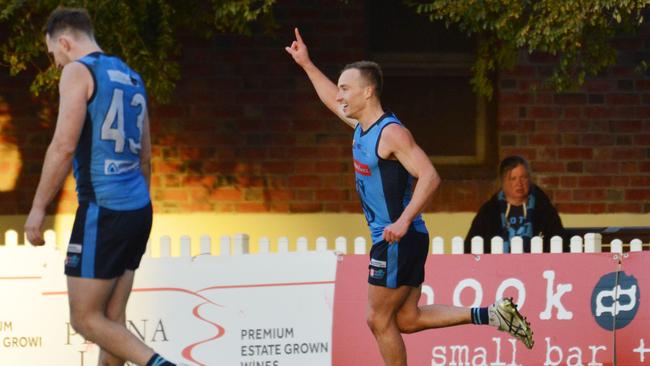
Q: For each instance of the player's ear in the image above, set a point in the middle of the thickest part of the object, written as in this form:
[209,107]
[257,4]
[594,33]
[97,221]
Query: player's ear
[368,92]
[64,43]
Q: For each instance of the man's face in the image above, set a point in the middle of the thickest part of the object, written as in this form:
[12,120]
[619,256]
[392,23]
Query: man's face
[516,184]
[351,95]
[55,50]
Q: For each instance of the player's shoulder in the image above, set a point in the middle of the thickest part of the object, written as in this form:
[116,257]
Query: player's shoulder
[396,132]
[73,68]
[75,72]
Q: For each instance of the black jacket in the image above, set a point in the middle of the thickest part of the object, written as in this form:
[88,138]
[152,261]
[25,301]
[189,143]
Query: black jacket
[546,222]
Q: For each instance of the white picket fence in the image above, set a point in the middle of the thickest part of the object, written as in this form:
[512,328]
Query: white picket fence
[239,244]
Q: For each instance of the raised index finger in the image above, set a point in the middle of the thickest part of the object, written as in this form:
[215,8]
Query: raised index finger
[298,37]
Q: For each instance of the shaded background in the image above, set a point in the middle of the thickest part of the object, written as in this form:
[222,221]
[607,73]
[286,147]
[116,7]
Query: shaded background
[245,133]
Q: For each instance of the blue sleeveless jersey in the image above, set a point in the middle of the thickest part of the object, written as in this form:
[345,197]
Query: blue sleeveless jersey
[107,163]
[384,186]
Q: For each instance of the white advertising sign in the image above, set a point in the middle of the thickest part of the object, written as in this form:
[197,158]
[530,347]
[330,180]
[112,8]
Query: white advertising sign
[257,310]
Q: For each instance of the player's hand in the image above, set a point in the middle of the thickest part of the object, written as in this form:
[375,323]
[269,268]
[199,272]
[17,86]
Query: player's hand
[298,50]
[34,225]
[395,231]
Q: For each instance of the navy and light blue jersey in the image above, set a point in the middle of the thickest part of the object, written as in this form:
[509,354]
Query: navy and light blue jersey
[517,221]
[384,186]
[107,162]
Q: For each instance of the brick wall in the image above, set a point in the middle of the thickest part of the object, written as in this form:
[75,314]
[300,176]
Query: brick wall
[246,133]
[26,125]
[589,149]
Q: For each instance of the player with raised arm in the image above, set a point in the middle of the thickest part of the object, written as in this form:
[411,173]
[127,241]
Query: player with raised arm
[387,162]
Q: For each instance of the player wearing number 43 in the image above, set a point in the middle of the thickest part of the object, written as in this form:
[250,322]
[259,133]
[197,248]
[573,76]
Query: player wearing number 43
[386,161]
[102,129]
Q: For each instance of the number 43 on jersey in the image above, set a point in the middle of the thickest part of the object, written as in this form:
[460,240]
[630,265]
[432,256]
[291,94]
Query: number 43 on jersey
[113,125]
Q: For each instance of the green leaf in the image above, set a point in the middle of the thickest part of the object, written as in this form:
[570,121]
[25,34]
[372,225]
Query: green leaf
[579,32]
[144,33]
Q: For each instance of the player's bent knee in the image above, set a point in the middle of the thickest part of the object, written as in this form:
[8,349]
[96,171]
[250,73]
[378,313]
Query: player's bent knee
[370,320]
[407,328]
[79,324]
[377,322]
[406,323]
[119,317]
[83,324]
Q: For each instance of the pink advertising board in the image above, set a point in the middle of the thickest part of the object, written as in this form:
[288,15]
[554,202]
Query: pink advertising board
[585,309]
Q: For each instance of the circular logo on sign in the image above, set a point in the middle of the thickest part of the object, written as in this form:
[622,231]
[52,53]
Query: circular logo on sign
[615,300]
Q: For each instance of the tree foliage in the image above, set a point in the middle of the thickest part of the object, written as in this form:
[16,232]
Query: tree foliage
[577,32]
[143,32]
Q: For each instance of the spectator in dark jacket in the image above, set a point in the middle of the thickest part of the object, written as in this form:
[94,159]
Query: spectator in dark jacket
[520,208]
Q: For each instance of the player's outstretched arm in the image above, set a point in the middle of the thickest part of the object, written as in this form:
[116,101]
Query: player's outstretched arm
[325,88]
[397,140]
[73,90]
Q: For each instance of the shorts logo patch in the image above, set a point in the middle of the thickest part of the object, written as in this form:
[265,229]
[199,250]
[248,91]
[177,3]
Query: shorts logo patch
[377,263]
[72,261]
[377,273]
[75,248]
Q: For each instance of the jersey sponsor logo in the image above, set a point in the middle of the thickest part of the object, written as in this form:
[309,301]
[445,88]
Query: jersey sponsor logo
[75,248]
[361,168]
[113,167]
[120,77]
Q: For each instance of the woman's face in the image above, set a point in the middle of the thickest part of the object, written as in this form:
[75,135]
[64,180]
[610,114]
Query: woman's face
[516,184]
